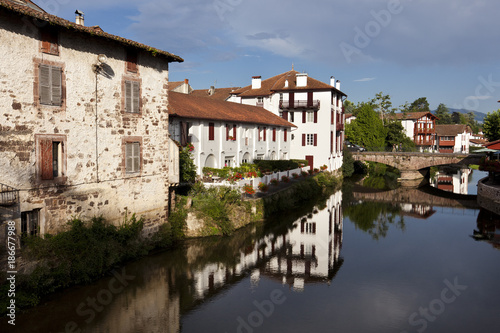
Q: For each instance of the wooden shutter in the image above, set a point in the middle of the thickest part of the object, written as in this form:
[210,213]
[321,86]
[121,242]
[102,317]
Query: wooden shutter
[50,42]
[44,85]
[315,117]
[303,117]
[135,96]
[259,133]
[184,133]
[291,101]
[315,140]
[46,159]
[303,139]
[132,157]
[274,134]
[234,132]
[285,135]
[331,120]
[265,133]
[131,61]
[211,131]
[56,78]
[309,99]
[128,96]
[137,156]
[331,141]
[285,115]
[227,132]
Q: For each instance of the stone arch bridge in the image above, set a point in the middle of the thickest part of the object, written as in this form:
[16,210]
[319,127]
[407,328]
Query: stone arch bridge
[415,166]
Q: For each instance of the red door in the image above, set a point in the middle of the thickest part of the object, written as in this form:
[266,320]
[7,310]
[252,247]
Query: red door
[310,160]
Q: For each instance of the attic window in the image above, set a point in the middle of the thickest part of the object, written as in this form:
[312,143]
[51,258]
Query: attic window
[131,61]
[50,41]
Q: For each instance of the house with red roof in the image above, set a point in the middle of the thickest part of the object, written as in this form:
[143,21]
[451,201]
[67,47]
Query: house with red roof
[453,138]
[420,127]
[227,134]
[84,113]
[314,107]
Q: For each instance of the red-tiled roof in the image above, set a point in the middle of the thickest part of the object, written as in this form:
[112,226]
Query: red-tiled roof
[493,145]
[414,115]
[188,106]
[452,129]
[174,84]
[19,9]
[220,94]
[277,83]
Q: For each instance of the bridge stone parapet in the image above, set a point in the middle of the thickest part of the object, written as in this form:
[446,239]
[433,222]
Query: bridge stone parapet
[414,165]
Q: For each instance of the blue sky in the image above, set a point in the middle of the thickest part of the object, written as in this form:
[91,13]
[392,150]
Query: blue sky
[446,50]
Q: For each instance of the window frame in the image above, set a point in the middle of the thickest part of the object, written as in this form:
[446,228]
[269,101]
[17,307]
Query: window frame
[135,85]
[126,141]
[45,157]
[49,41]
[39,82]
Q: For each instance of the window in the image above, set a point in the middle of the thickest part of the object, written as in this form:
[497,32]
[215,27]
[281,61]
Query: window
[310,117]
[50,86]
[131,61]
[30,225]
[133,157]
[228,161]
[292,118]
[309,139]
[132,96]
[51,156]
[211,131]
[50,43]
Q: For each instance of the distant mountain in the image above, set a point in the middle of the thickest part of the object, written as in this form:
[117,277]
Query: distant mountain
[479,116]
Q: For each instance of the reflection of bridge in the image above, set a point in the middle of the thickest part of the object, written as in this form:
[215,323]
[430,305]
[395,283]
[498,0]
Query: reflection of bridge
[414,165]
[421,196]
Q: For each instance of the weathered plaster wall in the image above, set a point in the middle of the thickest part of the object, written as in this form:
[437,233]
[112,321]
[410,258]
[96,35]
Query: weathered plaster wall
[95,181]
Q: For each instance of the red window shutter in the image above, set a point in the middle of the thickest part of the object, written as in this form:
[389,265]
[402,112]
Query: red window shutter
[131,61]
[211,131]
[303,139]
[234,132]
[332,118]
[50,43]
[46,159]
[303,117]
[227,132]
[315,117]
[291,101]
[274,134]
[259,133]
[285,115]
[265,133]
[331,141]
[285,135]
[315,140]
[309,99]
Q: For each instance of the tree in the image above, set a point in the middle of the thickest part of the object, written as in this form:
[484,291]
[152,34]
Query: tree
[383,105]
[419,105]
[443,114]
[367,130]
[348,107]
[396,135]
[491,125]
[187,168]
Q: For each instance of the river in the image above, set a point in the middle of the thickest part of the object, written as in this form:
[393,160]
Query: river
[342,264]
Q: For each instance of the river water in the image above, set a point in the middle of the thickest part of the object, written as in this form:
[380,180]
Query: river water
[341,264]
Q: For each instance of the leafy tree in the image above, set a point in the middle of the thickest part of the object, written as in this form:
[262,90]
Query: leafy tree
[367,130]
[443,114]
[491,125]
[383,105]
[419,105]
[347,164]
[396,135]
[187,166]
[349,107]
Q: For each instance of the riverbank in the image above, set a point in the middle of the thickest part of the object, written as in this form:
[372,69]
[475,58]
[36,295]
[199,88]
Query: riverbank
[91,250]
[488,195]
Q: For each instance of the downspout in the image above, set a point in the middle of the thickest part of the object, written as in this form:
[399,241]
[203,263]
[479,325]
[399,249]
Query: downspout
[96,132]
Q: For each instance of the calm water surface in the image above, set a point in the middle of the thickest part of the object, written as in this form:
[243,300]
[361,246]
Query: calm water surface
[339,265]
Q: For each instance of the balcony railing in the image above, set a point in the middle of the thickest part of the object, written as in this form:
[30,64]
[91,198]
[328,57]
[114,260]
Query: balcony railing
[8,195]
[300,104]
[424,142]
[424,130]
[340,127]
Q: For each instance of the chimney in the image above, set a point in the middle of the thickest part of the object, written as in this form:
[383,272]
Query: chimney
[211,91]
[79,17]
[302,80]
[337,85]
[186,81]
[186,86]
[256,82]
[332,81]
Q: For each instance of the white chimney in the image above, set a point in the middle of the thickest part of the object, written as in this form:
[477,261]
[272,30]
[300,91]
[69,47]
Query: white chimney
[211,91]
[79,17]
[302,80]
[286,83]
[337,84]
[256,82]
[332,81]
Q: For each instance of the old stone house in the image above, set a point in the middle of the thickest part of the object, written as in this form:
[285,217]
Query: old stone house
[84,122]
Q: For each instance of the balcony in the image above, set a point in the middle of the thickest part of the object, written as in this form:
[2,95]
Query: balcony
[424,142]
[8,196]
[300,104]
[340,127]
[424,131]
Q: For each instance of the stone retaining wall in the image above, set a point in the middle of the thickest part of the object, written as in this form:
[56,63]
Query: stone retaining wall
[488,196]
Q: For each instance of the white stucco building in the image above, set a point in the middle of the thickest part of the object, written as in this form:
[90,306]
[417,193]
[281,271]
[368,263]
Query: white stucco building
[84,129]
[420,127]
[453,138]
[227,134]
[316,108]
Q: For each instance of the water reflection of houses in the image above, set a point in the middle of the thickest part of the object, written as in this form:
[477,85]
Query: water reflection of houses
[308,253]
[488,228]
[455,181]
[416,210]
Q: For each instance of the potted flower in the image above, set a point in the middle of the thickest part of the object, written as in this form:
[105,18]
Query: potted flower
[248,189]
[274,181]
[263,187]
[285,179]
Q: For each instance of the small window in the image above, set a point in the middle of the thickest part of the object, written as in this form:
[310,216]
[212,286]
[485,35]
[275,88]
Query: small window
[30,225]
[132,96]
[131,60]
[292,118]
[50,85]
[50,41]
[310,139]
[211,131]
[133,157]
[310,117]
[51,158]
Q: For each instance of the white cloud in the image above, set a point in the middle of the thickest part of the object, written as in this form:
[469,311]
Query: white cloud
[366,79]
[481,98]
